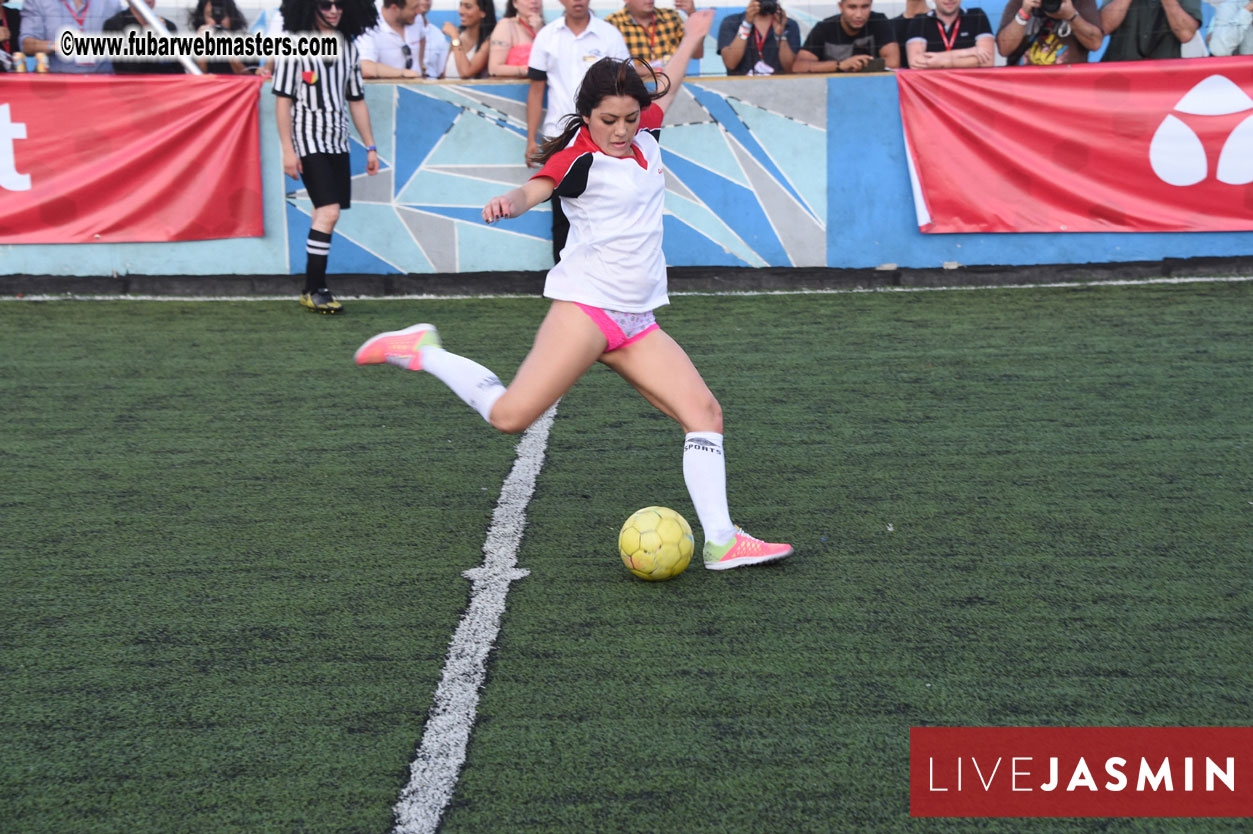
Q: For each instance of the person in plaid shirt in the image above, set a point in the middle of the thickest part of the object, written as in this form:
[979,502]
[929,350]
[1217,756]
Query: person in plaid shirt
[653,34]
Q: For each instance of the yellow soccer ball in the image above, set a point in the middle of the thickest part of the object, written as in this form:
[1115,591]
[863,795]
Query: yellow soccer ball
[656,543]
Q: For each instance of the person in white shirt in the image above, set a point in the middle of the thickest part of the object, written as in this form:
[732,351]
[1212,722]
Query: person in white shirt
[1231,30]
[404,44]
[560,57]
[437,45]
[605,163]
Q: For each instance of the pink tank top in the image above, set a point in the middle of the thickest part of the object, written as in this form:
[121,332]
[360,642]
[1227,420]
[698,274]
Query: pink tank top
[519,56]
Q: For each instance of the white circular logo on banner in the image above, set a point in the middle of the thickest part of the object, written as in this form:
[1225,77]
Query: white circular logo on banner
[1176,153]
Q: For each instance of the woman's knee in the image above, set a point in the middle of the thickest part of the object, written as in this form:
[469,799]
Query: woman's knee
[508,419]
[705,416]
[715,414]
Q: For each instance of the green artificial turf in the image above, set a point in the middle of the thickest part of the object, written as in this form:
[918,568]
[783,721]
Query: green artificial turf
[233,559]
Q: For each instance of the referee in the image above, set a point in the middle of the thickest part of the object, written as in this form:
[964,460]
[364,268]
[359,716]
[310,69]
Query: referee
[315,98]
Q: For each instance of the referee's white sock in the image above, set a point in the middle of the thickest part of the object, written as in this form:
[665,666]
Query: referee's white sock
[476,385]
[705,473]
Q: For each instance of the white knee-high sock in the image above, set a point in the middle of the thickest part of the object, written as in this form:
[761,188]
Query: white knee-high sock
[476,385]
[705,473]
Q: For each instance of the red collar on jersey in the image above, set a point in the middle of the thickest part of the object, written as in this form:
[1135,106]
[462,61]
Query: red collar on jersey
[584,143]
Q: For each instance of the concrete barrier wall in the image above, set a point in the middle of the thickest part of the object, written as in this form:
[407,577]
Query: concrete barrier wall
[779,172]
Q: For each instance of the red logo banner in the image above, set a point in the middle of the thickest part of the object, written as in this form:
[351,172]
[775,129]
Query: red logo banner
[1081,771]
[113,159]
[1135,146]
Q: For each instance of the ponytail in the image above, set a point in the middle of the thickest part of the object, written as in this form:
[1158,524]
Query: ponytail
[569,129]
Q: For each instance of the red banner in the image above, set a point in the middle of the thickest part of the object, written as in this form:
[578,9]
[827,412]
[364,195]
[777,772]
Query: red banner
[1136,146]
[129,158]
[1081,771]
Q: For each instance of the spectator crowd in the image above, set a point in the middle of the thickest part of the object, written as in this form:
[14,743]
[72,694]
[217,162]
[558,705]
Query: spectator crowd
[760,40]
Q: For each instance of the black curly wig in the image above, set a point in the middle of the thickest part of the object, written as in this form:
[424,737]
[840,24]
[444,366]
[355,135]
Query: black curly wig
[225,14]
[358,17]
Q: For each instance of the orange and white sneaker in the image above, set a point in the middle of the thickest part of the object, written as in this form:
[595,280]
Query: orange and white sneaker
[402,348]
[742,551]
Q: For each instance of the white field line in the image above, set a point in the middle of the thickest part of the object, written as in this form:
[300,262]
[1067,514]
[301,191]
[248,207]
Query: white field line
[442,751]
[1130,282]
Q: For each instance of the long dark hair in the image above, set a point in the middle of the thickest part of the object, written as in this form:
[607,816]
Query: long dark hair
[357,16]
[488,23]
[607,77]
[221,8]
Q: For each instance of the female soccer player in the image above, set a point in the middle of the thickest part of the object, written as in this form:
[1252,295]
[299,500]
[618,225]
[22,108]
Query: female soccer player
[314,100]
[606,169]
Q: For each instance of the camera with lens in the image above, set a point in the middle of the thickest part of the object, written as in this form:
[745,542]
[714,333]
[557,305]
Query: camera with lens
[769,7]
[218,12]
[1048,7]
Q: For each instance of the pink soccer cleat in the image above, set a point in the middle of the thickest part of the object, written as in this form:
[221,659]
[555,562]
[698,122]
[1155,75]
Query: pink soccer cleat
[742,551]
[402,348]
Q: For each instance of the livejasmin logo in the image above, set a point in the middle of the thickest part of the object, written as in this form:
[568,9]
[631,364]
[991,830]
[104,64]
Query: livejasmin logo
[1177,154]
[1080,771]
[1151,777]
[10,132]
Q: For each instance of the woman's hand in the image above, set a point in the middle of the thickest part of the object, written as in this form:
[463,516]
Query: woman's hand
[497,208]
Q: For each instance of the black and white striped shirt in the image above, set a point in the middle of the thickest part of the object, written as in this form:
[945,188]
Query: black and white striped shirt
[320,93]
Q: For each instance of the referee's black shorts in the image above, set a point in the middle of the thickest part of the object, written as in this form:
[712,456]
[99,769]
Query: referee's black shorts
[327,178]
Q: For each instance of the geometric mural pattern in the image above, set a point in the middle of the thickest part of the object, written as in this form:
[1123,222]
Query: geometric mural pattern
[446,149]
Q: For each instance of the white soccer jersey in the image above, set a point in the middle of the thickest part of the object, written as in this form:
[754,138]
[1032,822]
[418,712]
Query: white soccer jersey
[612,258]
[320,93]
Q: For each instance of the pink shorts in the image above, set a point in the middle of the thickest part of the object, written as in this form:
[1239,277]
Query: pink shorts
[620,329]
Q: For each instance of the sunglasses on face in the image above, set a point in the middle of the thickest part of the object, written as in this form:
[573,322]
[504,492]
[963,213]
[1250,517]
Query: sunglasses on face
[327,5]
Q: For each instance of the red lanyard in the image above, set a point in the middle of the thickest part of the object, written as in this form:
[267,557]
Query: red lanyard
[759,41]
[651,28]
[81,20]
[949,41]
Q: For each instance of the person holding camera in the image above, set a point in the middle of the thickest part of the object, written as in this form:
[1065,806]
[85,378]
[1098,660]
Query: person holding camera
[1047,32]
[855,40]
[1145,30]
[761,40]
[219,17]
[950,37]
